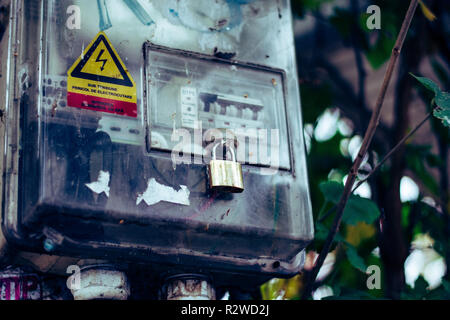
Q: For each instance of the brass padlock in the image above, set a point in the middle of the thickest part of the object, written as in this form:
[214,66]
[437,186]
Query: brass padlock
[225,175]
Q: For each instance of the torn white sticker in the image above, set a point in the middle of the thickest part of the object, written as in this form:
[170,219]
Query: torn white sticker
[102,185]
[189,108]
[157,192]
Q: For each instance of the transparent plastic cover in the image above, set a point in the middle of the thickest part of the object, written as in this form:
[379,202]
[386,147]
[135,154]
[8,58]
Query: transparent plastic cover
[108,90]
[198,94]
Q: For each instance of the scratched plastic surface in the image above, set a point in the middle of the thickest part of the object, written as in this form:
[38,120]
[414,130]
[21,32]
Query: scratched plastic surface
[92,177]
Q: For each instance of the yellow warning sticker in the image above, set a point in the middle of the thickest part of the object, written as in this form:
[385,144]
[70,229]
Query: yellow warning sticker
[99,81]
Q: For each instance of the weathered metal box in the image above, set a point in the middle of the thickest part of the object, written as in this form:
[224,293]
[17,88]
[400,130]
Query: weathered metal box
[111,112]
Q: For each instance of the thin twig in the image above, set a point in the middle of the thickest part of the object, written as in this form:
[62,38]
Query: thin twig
[327,214]
[355,36]
[393,150]
[386,157]
[375,119]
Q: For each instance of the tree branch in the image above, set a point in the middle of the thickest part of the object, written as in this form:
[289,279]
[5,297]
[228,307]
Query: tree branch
[375,119]
[393,150]
[349,105]
[386,157]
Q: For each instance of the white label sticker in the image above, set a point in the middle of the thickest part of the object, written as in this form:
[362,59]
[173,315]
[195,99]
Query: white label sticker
[189,107]
[102,185]
[157,192]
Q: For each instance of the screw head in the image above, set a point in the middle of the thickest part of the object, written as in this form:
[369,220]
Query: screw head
[49,245]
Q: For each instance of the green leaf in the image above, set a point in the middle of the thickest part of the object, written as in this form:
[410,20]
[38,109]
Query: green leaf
[319,96]
[419,292]
[342,20]
[438,294]
[441,99]
[300,8]
[322,233]
[427,83]
[314,4]
[379,52]
[446,285]
[354,259]
[331,190]
[345,293]
[358,209]
[440,71]
[420,286]
[415,156]
[427,12]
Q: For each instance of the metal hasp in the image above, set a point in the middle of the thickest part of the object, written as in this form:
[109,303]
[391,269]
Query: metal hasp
[99,283]
[188,287]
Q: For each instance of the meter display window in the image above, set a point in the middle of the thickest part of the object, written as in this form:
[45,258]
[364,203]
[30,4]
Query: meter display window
[197,94]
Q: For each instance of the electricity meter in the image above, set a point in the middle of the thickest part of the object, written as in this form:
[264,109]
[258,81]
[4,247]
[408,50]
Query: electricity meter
[115,112]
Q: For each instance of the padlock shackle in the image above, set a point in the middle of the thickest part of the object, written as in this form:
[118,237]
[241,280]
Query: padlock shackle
[229,148]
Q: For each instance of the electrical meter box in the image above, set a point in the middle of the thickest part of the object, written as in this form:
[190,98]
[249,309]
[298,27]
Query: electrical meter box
[157,131]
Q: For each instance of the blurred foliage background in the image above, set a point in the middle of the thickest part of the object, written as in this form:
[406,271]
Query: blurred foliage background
[399,219]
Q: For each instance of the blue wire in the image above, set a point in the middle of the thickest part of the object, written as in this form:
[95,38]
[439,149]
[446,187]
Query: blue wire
[139,12]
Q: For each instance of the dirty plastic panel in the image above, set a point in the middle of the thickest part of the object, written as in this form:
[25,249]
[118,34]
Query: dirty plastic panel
[99,184]
[200,94]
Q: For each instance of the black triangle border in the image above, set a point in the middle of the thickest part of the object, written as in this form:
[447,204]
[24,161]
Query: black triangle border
[76,73]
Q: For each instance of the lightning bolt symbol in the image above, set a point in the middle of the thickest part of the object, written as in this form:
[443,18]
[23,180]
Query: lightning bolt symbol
[101,60]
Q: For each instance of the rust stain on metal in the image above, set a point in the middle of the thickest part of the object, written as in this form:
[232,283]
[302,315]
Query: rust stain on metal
[54,107]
